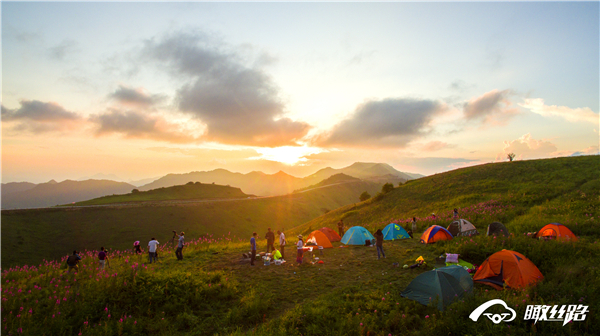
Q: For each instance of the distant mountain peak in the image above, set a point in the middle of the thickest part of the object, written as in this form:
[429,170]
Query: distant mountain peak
[52,182]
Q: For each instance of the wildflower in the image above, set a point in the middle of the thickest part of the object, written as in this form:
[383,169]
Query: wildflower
[361,323]
[426,316]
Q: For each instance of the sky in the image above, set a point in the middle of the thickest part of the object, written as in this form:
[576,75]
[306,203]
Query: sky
[142,89]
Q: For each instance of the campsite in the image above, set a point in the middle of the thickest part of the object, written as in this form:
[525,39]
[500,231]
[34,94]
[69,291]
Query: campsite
[214,291]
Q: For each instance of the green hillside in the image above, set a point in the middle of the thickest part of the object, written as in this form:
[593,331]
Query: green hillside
[29,236]
[214,292]
[181,192]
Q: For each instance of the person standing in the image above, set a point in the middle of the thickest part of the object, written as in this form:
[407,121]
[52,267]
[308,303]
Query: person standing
[152,245]
[282,243]
[270,236]
[341,227]
[137,248]
[102,258]
[180,245]
[414,225]
[379,243]
[253,248]
[73,261]
[455,213]
[300,248]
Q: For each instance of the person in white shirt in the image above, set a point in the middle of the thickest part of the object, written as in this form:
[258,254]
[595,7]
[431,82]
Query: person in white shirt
[282,243]
[300,246]
[152,245]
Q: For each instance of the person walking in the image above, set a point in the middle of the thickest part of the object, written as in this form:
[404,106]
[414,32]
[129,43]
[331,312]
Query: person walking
[73,261]
[282,243]
[379,243]
[152,254]
[180,246]
[102,258]
[253,248]
[341,227]
[414,224]
[300,248]
[270,236]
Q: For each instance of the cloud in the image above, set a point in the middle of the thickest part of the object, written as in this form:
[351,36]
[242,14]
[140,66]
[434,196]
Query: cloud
[238,104]
[61,50]
[527,147]
[134,97]
[592,150]
[492,107]
[388,123]
[40,117]
[433,146]
[584,114]
[132,124]
[208,153]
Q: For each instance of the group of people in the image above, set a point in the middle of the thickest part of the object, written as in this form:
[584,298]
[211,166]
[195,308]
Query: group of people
[270,237]
[73,260]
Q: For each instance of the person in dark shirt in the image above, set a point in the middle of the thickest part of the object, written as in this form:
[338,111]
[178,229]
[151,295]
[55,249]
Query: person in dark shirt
[379,243]
[341,228]
[253,248]
[73,262]
[102,258]
[270,236]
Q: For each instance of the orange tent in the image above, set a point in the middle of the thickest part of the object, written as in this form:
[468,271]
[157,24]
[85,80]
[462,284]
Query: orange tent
[435,233]
[556,231]
[318,238]
[507,269]
[332,235]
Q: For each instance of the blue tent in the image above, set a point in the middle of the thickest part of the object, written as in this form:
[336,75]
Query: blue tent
[394,231]
[356,235]
[441,286]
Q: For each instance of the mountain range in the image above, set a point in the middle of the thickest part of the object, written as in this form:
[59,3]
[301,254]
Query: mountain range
[20,195]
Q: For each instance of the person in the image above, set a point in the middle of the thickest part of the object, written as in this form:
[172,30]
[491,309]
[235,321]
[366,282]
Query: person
[73,261]
[300,246]
[379,243]
[137,247]
[414,224]
[102,258]
[270,236]
[433,216]
[152,254]
[282,243]
[341,227]
[455,213]
[277,255]
[180,245]
[253,248]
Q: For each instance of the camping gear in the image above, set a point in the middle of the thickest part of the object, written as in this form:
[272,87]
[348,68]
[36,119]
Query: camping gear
[556,231]
[496,229]
[442,285]
[318,238]
[466,265]
[462,227]
[331,235]
[435,233]
[394,231]
[356,235]
[507,269]
[452,258]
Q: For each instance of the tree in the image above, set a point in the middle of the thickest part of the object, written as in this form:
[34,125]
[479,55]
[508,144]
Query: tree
[364,196]
[135,191]
[510,156]
[387,188]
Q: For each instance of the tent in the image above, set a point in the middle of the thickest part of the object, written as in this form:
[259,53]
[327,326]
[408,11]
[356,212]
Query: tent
[496,229]
[332,235]
[442,285]
[507,269]
[435,233]
[556,231]
[356,235]
[394,231]
[318,238]
[462,227]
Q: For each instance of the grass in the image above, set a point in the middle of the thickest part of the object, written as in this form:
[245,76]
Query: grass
[213,292]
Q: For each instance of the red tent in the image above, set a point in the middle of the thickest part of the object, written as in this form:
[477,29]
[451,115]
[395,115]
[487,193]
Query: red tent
[332,235]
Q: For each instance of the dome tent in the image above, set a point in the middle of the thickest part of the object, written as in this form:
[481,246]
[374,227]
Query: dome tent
[556,231]
[462,227]
[435,233]
[357,235]
[442,285]
[507,268]
[318,238]
[496,229]
[394,231]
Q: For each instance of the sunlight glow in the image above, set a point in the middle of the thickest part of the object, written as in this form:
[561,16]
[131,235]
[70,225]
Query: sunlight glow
[287,154]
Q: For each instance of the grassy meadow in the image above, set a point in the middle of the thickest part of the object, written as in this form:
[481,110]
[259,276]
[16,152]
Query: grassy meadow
[214,292]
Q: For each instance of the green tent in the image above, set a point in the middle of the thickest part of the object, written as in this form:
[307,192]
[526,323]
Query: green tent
[442,285]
